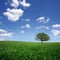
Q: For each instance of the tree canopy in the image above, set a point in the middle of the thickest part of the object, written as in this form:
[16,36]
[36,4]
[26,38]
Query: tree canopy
[42,37]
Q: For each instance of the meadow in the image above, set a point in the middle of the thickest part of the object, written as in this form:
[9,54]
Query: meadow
[13,50]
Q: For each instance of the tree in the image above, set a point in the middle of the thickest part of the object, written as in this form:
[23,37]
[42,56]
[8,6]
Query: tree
[42,37]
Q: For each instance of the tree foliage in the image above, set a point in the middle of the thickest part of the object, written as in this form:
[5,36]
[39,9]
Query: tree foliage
[42,37]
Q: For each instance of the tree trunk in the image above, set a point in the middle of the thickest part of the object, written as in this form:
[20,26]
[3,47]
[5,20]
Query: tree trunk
[41,41]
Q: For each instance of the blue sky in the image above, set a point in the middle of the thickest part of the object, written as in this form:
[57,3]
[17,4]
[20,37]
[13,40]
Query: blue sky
[21,20]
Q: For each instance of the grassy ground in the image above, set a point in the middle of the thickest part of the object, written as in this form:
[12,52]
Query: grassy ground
[29,51]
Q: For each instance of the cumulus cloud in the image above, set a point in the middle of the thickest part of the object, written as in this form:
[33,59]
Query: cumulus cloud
[5,34]
[56,26]
[3,31]
[15,3]
[13,14]
[22,32]
[24,3]
[26,26]
[43,27]
[56,32]
[43,20]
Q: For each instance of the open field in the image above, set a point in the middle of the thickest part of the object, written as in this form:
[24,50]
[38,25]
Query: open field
[29,51]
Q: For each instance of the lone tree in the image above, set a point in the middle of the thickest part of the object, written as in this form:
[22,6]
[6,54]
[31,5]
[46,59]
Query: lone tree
[42,37]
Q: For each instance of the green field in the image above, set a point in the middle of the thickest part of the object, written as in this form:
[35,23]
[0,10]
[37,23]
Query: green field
[29,51]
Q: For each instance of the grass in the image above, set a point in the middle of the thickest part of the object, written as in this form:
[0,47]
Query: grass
[10,50]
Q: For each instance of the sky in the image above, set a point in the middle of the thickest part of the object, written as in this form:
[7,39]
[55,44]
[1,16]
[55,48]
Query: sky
[21,20]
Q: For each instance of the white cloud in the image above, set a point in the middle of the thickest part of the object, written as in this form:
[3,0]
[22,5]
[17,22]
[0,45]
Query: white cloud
[27,19]
[56,32]
[5,34]
[56,26]
[24,4]
[13,14]
[3,31]
[43,27]
[15,3]
[26,26]
[47,20]
[43,20]
[22,32]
